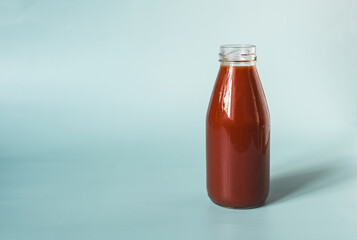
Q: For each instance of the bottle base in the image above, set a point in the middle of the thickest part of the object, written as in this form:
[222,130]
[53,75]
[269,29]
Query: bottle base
[238,207]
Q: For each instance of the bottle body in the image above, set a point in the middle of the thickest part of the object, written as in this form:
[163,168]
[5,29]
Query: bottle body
[238,139]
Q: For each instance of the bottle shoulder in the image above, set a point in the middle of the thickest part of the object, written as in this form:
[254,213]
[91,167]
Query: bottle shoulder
[238,96]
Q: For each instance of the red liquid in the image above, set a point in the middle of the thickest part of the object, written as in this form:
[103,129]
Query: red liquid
[237,139]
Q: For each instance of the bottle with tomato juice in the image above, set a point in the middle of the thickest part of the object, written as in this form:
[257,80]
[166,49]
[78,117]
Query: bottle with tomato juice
[238,132]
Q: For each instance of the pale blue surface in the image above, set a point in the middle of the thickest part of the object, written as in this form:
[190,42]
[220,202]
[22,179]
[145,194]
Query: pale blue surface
[102,118]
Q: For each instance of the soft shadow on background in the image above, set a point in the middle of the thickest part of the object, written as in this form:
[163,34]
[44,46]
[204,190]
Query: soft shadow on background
[308,179]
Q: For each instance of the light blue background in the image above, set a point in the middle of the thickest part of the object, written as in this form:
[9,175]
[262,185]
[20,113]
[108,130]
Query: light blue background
[102,113]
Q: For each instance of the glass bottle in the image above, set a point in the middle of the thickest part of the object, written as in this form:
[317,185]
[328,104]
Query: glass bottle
[238,132]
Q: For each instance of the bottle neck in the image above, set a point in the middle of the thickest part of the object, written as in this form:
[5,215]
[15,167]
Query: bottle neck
[237,55]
